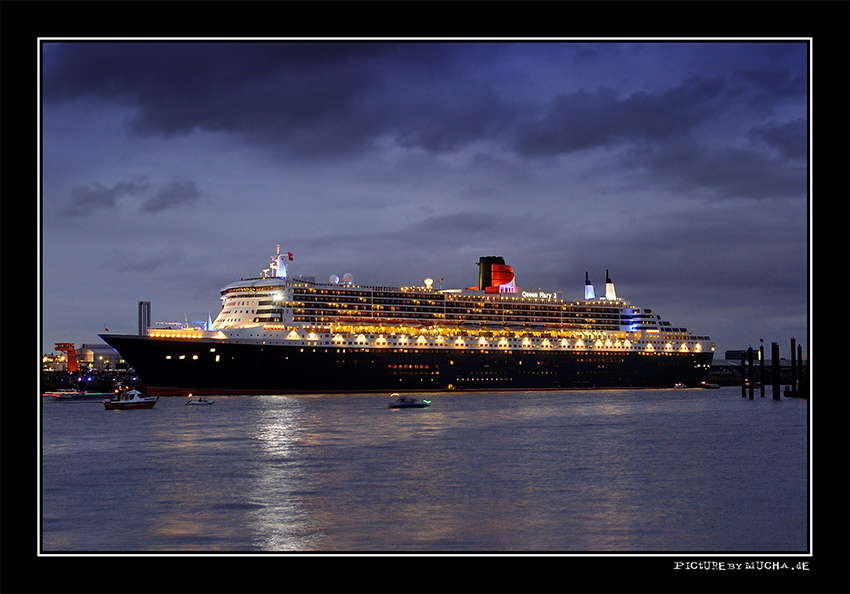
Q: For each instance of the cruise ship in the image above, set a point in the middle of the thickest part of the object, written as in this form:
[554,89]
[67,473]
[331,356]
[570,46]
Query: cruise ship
[280,334]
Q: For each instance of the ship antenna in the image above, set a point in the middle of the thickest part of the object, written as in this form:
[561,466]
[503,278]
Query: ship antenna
[279,264]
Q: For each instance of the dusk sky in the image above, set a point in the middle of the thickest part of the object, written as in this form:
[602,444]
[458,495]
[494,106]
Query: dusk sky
[172,169]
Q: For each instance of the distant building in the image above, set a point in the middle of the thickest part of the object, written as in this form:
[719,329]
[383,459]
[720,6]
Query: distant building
[728,371]
[54,362]
[144,317]
[100,356]
[736,355]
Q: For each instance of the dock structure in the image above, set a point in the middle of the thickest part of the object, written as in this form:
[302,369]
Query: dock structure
[738,368]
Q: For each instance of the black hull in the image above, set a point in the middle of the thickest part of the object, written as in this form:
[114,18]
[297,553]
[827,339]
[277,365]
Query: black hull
[206,366]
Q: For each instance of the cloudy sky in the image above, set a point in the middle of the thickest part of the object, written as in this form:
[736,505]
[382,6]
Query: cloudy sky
[172,169]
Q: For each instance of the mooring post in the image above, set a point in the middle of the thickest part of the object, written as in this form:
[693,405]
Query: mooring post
[801,380]
[752,372]
[793,390]
[743,374]
[762,378]
[774,365]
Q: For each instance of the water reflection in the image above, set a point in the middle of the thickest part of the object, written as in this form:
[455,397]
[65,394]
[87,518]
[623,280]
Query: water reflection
[591,472]
[278,484]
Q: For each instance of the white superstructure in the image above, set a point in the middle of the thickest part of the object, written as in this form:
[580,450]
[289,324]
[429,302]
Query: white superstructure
[278,309]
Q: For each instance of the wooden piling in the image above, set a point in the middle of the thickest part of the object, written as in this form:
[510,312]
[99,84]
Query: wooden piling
[793,390]
[774,365]
[762,378]
[751,374]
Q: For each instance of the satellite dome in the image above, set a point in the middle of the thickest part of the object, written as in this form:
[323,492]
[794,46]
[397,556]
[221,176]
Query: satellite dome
[334,279]
[348,278]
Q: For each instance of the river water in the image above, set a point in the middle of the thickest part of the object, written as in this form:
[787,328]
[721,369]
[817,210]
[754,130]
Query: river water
[621,471]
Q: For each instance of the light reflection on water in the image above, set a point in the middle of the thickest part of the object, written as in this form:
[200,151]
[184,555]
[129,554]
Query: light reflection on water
[278,485]
[618,471]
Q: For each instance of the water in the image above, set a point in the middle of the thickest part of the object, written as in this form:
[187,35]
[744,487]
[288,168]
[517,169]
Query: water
[601,472]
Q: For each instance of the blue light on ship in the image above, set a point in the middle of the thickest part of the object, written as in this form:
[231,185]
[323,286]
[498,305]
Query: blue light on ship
[589,292]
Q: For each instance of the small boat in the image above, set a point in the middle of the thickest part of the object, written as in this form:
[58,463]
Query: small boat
[66,393]
[130,400]
[74,394]
[406,402]
[709,386]
[200,401]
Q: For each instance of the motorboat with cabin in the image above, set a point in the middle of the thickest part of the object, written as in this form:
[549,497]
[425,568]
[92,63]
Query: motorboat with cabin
[129,400]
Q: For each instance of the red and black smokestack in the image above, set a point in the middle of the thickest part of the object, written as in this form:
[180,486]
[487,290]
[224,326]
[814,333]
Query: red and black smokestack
[493,274]
[485,270]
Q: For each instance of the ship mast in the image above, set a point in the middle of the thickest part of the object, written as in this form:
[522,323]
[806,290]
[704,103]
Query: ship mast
[279,265]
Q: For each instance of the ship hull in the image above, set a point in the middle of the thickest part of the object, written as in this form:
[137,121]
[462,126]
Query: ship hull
[210,367]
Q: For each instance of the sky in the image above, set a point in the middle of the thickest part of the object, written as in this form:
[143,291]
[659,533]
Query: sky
[170,169]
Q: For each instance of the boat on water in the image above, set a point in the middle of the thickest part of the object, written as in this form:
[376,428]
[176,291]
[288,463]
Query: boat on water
[74,394]
[200,402]
[708,386]
[65,393]
[130,400]
[278,334]
[407,402]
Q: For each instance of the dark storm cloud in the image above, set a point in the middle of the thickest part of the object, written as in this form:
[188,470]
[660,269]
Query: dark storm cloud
[444,127]
[583,119]
[313,99]
[766,86]
[664,134]
[712,171]
[469,226]
[173,195]
[305,98]
[319,98]
[94,197]
[788,139]
[188,71]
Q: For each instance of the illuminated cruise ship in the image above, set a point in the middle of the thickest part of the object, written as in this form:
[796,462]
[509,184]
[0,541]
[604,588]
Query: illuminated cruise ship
[276,334]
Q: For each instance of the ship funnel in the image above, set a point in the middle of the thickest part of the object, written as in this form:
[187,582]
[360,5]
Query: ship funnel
[494,276]
[610,293]
[589,292]
[485,270]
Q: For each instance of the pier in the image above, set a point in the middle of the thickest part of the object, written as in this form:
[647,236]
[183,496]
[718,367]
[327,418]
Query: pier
[754,372]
